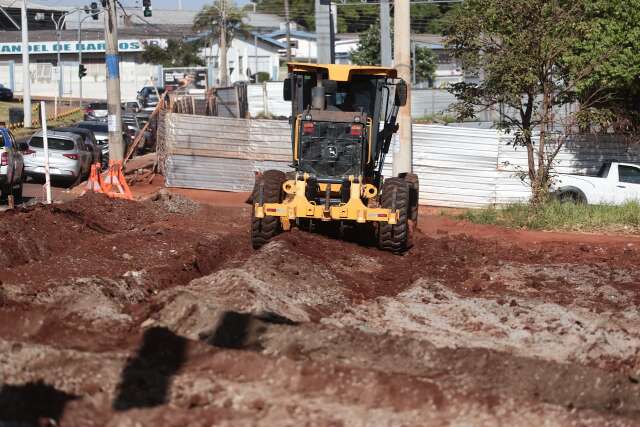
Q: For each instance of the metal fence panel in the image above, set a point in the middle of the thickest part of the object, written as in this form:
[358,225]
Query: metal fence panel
[457,167]
[218,153]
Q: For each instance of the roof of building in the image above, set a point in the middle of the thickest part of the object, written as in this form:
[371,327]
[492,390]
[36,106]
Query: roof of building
[298,34]
[166,31]
[31,5]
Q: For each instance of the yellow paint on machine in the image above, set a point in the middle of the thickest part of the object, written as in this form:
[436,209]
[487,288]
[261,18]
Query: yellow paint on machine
[342,72]
[296,205]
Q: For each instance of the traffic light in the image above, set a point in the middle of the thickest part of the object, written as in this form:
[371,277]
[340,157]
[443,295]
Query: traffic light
[147,8]
[82,71]
[94,10]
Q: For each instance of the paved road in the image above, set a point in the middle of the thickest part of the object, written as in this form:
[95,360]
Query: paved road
[33,192]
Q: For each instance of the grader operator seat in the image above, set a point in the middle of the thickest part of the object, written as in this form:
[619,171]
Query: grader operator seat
[342,122]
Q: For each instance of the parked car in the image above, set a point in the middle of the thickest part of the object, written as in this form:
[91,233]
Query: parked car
[69,157]
[96,111]
[89,140]
[11,166]
[616,183]
[148,97]
[101,132]
[6,94]
[131,106]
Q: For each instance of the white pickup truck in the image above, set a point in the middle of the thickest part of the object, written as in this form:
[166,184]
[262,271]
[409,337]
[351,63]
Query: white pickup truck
[615,184]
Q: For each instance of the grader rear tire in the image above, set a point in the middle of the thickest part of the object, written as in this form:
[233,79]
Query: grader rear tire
[264,229]
[395,195]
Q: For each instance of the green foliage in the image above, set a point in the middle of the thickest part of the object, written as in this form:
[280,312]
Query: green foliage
[178,53]
[368,53]
[536,56]
[554,215]
[356,18]
[263,77]
[300,11]
[210,19]
[611,35]
[520,53]
[435,118]
[425,63]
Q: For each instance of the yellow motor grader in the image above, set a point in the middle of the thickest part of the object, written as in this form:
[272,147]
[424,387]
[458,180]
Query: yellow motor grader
[342,123]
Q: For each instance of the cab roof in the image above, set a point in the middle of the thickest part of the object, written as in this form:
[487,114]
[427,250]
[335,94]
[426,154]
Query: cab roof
[343,72]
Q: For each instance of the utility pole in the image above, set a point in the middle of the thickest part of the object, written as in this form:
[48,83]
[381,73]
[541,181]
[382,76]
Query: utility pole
[323,29]
[286,17]
[222,49]
[403,157]
[385,34]
[112,61]
[57,24]
[26,76]
[333,18]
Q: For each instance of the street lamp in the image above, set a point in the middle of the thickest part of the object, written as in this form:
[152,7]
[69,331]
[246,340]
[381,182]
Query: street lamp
[58,24]
[93,15]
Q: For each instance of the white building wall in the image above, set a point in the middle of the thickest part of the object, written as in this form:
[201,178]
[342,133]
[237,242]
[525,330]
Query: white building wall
[243,53]
[133,77]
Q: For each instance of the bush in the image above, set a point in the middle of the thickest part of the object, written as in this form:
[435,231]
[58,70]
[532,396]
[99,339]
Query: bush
[262,77]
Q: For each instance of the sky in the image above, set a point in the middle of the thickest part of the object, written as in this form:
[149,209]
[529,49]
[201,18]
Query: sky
[158,4]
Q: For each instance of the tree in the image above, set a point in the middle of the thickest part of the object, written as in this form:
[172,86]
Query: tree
[358,16]
[521,53]
[368,53]
[221,14]
[612,29]
[178,53]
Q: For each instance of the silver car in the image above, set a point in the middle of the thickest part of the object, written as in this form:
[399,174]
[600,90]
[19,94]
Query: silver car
[69,156]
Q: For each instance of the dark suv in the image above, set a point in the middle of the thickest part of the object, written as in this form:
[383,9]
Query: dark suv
[148,97]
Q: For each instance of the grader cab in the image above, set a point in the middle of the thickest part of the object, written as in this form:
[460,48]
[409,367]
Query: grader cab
[342,123]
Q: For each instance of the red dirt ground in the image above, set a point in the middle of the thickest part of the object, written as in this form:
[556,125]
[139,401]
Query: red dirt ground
[158,312]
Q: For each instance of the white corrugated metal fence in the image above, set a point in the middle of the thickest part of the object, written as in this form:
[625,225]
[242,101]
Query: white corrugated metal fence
[457,167]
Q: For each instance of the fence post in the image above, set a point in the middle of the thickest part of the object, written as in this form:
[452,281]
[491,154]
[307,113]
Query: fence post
[265,99]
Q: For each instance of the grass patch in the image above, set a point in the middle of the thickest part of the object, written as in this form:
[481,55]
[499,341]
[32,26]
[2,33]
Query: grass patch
[4,110]
[435,118]
[554,215]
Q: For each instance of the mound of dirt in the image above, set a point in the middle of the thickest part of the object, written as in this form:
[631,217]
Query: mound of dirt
[125,313]
[42,231]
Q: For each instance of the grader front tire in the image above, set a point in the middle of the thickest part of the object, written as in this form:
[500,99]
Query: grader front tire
[395,195]
[270,186]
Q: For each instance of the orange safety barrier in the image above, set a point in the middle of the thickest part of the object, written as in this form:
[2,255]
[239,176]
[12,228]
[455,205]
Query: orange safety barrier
[113,184]
[94,183]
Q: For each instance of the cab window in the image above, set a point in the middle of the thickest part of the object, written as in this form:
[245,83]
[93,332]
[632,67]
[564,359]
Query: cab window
[629,174]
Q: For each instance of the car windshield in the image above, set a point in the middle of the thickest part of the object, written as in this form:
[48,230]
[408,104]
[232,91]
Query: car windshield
[96,127]
[98,106]
[54,143]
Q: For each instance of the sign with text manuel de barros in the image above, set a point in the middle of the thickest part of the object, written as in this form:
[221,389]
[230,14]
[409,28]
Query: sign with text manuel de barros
[88,46]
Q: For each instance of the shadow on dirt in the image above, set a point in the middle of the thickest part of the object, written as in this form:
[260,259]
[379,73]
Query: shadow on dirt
[242,330]
[29,404]
[360,234]
[146,378]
